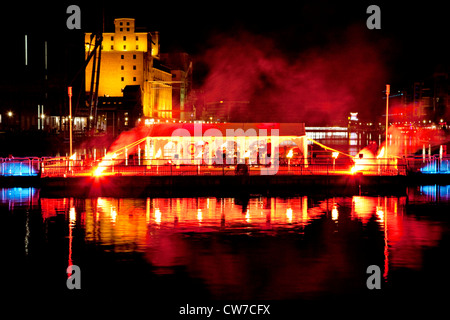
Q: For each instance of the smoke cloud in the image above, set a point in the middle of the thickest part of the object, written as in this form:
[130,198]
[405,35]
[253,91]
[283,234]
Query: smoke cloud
[315,86]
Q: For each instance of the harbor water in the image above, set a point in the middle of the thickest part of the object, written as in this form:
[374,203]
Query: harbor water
[301,247]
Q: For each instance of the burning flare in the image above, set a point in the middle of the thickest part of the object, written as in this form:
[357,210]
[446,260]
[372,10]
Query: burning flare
[104,163]
[290,154]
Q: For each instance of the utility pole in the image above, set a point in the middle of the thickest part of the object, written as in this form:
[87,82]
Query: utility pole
[388,91]
[70,120]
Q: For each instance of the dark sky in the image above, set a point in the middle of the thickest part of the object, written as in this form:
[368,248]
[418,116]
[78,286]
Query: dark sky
[412,42]
[417,30]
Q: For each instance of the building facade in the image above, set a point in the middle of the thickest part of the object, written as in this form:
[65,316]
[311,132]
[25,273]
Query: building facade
[131,58]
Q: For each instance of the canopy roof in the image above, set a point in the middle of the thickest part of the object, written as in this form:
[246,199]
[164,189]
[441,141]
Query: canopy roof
[197,129]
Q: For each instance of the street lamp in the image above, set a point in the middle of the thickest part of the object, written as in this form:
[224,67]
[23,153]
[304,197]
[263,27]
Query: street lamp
[69,91]
[10,114]
[335,154]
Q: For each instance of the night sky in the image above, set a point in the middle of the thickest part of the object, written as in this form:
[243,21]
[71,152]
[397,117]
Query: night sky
[410,46]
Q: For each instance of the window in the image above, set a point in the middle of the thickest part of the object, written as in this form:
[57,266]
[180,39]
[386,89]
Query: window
[122,79]
[122,67]
[137,47]
[134,78]
[121,29]
[124,38]
[134,56]
[137,38]
[122,56]
[112,47]
[128,29]
[124,47]
[121,23]
[134,67]
[112,38]
[128,23]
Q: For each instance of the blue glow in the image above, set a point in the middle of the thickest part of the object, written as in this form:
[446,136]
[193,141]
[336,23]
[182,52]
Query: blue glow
[434,167]
[17,195]
[431,191]
[16,169]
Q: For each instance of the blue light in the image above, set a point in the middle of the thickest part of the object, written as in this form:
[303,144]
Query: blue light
[16,169]
[17,195]
[431,191]
[434,167]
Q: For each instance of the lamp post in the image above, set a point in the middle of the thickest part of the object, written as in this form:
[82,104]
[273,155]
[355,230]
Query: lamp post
[335,154]
[69,91]
[388,90]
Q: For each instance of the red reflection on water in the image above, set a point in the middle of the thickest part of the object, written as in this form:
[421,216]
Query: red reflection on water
[233,244]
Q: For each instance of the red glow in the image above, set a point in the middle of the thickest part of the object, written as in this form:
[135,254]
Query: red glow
[316,86]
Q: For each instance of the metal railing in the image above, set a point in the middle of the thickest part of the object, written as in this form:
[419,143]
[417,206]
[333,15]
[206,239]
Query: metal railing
[64,167]
[428,164]
[120,167]
[20,166]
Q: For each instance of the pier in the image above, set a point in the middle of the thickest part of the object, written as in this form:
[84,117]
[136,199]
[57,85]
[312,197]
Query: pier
[78,177]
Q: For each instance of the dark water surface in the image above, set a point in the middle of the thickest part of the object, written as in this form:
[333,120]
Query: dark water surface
[152,252]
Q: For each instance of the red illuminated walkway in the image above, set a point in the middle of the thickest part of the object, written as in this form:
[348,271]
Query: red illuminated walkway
[70,168]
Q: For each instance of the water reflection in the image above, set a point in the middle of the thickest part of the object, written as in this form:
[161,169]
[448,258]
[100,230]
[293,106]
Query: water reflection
[247,248]
[19,196]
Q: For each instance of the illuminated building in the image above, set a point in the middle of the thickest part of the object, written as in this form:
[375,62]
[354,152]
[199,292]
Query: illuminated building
[180,65]
[130,58]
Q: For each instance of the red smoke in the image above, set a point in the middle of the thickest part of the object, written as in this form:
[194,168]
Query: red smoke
[316,86]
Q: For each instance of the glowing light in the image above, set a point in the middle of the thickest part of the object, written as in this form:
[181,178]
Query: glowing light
[380,213]
[354,116]
[290,154]
[113,214]
[355,169]
[73,157]
[335,154]
[10,114]
[247,216]
[334,213]
[199,215]
[72,215]
[157,216]
[289,214]
[103,164]
[381,153]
